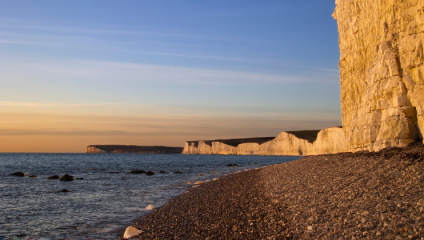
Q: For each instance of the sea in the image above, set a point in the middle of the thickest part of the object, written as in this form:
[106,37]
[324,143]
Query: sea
[106,198]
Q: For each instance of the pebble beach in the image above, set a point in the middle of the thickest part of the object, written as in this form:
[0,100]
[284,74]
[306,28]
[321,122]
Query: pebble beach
[363,195]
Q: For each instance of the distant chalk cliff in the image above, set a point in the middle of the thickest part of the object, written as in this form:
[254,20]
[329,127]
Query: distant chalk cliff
[330,140]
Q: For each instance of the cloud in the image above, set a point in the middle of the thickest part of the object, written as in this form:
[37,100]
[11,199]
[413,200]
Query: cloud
[19,42]
[92,36]
[51,105]
[109,71]
[95,28]
[131,72]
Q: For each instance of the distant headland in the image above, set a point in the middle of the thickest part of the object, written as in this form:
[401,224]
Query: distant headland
[133,149]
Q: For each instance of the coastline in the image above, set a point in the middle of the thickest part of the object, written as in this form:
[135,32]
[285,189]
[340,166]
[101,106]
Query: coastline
[364,194]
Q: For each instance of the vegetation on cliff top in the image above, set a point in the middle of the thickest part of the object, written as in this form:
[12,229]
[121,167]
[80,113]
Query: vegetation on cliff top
[309,135]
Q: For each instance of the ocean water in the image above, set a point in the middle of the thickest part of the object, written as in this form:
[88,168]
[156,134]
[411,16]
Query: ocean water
[108,198]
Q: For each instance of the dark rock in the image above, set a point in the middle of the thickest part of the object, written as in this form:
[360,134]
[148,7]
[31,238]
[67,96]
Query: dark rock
[113,172]
[150,173]
[179,172]
[79,178]
[54,177]
[162,172]
[19,174]
[138,172]
[67,177]
[231,165]
[33,176]
[64,190]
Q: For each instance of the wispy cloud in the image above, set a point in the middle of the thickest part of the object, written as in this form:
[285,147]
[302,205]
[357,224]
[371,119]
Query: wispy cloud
[93,28]
[83,36]
[52,105]
[19,42]
[94,71]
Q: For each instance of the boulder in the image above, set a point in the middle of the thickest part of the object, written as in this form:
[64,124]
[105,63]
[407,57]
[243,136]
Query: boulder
[131,232]
[178,172]
[54,177]
[67,177]
[19,174]
[162,172]
[32,176]
[231,165]
[150,173]
[138,172]
[150,207]
[64,190]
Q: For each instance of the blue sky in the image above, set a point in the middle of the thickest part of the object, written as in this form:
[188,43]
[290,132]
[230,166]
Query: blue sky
[215,69]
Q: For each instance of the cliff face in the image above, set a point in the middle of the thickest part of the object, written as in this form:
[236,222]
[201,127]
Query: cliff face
[94,149]
[330,140]
[381,71]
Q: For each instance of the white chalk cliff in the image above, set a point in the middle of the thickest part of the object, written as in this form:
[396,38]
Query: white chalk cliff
[382,84]
[330,140]
[381,71]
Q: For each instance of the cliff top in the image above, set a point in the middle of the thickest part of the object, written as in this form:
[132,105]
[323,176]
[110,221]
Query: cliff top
[309,135]
[236,142]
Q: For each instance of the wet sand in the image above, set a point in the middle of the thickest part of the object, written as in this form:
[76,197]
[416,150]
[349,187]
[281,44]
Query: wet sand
[341,196]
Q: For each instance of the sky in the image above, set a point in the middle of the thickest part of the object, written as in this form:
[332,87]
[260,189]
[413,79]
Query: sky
[78,73]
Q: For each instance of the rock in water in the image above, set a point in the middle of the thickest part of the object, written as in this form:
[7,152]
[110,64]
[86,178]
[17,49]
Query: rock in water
[150,207]
[54,177]
[19,174]
[131,232]
[178,172]
[150,173]
[67,177]
[64,190]
[32,176]
[231,165]
[138,172]
[198,182]
[162,172]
